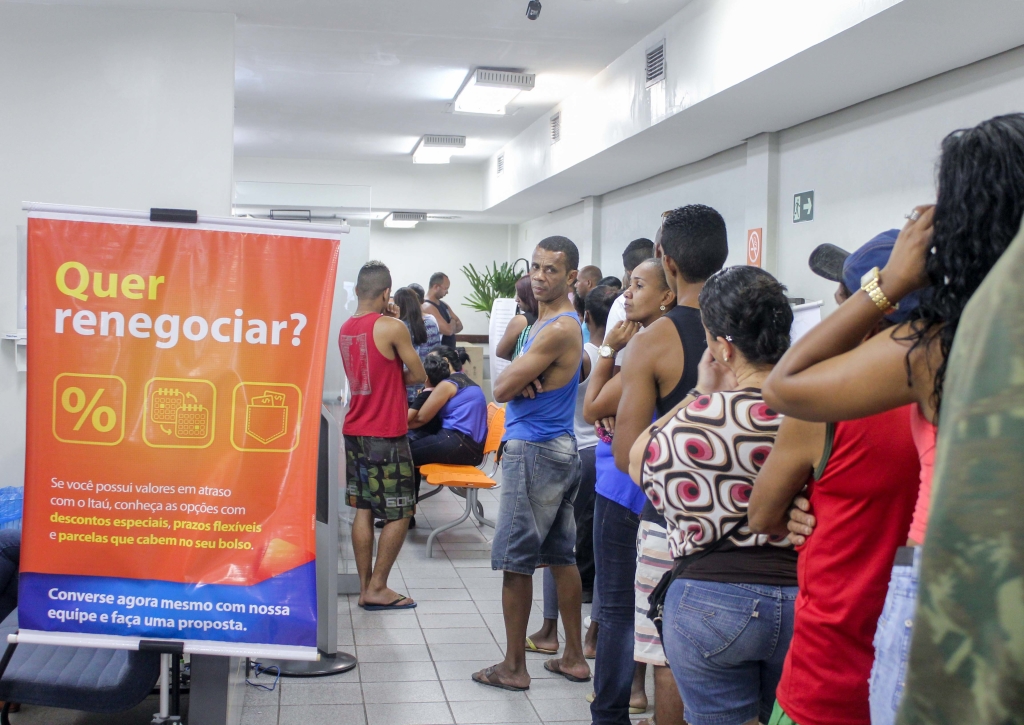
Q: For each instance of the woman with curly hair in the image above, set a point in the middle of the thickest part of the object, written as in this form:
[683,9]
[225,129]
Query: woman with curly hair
[946,250]
[728,613]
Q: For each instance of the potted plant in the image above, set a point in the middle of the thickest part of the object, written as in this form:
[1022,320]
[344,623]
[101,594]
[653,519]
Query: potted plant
[493,282]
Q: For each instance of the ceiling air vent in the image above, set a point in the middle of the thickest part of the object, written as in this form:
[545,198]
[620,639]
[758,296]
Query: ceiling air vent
[408,216]
[452,142]
[487,77]
[655,64]
[501,163]
[556,127]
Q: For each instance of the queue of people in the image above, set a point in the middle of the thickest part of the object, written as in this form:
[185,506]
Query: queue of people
[759,505]
[754,518]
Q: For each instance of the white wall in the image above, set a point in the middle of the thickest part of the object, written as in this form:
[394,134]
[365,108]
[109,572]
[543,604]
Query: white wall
[635,211]
[414,254]
[102,107]
[396,185]
[871,164]
[567,222]
[868,165]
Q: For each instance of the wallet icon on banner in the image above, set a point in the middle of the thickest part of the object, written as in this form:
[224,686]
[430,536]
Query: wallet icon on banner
[179,413]
[88,409]
[265,417]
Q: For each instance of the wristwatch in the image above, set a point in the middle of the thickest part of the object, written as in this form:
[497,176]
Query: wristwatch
[606,351]
[869,283]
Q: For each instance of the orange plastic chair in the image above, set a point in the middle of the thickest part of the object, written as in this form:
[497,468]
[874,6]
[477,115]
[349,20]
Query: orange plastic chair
[470,478]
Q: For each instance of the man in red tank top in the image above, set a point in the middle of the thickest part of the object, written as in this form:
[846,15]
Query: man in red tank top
[862,479]
[379,469]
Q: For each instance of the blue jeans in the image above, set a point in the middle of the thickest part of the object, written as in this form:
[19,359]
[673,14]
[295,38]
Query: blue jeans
[726,644]
[892,643]
[615,530]
[583,514]
[535,524]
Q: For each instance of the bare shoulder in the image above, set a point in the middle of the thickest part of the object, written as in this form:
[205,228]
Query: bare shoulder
[391,327]
[559,335]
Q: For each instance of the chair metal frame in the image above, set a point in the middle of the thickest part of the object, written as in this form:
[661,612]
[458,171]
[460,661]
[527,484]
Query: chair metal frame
[469,478]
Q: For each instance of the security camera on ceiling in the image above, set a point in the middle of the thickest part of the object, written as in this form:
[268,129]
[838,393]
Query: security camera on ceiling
[533,9]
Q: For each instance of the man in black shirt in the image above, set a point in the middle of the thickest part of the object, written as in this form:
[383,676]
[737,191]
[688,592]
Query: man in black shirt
[447,321]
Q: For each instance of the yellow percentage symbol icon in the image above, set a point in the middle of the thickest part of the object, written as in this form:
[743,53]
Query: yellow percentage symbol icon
[103,418]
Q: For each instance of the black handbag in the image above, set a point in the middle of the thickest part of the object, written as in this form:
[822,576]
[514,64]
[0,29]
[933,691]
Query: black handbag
[656,600]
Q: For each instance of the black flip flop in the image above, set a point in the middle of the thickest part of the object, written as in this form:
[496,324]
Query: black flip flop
[385,607]
[566,675]
[487,674]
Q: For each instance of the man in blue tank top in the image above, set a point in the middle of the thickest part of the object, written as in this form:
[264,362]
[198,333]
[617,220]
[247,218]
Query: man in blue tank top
[540,471]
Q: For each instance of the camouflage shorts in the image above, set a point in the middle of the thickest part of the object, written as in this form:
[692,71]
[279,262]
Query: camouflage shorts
[380,476]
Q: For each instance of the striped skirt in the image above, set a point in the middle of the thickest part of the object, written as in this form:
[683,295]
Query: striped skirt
[653,560]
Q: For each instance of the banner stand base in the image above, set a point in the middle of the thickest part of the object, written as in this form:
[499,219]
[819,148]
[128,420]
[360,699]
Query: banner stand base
[327,665]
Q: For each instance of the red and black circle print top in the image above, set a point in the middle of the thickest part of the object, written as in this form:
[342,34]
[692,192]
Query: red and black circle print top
[699,473]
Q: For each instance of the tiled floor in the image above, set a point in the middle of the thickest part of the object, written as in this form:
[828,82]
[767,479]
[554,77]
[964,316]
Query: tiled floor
[415,666]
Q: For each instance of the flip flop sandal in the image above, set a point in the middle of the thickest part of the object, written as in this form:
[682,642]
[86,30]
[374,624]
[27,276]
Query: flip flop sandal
[385,607]
[632,710]
[484,678]
[531,647]
[566,675]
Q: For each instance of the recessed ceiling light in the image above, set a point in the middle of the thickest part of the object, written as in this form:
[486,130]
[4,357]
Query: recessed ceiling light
[404,219]
[489,91]
[435,149]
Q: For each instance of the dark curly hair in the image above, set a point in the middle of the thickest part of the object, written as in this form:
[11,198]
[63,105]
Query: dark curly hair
[437,369]
[748,306]
[456,357]
[977,214]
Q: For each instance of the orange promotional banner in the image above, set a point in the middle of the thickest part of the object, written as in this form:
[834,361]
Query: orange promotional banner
[174,383]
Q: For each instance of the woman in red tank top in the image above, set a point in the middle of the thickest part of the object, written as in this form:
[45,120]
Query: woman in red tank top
[949,248]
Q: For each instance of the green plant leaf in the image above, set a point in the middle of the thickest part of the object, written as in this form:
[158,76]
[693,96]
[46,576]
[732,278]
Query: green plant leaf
[492,283]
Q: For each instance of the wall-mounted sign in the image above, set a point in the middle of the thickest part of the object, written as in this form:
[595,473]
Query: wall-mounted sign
[755,241]
[803,207]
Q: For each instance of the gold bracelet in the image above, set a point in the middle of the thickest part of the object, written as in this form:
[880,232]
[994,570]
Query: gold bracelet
[878,297]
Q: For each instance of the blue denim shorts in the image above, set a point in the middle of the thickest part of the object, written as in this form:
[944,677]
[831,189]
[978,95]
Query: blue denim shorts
[726,644]
[892,643]
[535,524]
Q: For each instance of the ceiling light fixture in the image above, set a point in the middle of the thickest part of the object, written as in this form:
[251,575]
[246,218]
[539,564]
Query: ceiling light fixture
[489,91]
[404,219]
[435,149]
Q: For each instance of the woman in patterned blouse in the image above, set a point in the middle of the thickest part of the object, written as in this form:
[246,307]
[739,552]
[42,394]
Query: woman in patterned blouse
[728,617]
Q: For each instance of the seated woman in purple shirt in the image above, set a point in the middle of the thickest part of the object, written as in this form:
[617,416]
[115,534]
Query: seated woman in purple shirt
[460,405]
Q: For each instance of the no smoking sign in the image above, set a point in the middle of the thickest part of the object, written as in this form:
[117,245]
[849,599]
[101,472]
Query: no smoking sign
[755,242]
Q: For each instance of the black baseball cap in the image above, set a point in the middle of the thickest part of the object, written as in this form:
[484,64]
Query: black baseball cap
[827,261]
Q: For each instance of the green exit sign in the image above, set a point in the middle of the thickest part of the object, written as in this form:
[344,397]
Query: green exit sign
[803,207]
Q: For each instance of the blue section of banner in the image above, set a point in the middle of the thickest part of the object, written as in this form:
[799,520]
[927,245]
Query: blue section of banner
[280,610]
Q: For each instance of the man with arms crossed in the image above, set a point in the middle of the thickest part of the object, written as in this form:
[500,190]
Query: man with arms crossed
[379,469]
[540,471]
[447,321]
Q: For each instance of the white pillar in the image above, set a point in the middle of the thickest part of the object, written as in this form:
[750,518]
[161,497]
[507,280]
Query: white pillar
[590,244]
[762,195]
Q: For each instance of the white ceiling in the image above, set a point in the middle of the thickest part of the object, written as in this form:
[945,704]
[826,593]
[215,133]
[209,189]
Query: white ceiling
[364,80]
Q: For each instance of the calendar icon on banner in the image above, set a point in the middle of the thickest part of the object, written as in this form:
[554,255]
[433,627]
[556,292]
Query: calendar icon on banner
[179,413]
[265,417]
